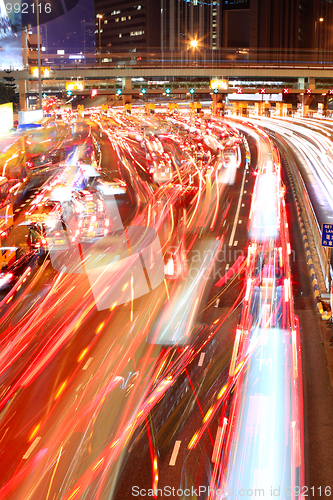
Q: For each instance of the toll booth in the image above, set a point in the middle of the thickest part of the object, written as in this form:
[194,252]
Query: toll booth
[173,107]
[287,108]
[128,108]
[262,108]
[197,107]
[240,108]
[218,108]
[150,108]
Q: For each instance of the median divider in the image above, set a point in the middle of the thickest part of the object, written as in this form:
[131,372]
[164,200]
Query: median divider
[313,225]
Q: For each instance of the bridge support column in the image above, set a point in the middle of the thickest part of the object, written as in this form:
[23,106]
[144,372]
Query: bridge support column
[22,94]
[305,100]
[127,83]
[311,82]
[301,83]
[127,99]
[218,104]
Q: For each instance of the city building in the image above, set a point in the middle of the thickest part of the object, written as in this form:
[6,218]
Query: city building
[127,25]
[171,25]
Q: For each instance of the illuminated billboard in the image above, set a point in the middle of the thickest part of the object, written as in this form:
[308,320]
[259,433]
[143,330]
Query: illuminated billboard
[74,85]
[219,84]
[6,117]
[10,37]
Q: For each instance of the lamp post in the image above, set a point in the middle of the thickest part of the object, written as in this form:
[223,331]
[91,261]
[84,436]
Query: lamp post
[320,20]
[194,46]
[39,65]
[99,17]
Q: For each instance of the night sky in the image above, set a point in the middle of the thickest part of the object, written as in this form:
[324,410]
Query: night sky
[65,27]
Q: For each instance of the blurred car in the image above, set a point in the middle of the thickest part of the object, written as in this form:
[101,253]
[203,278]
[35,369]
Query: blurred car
[10,276]
[89,215]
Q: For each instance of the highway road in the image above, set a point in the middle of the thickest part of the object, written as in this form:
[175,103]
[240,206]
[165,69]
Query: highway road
[146,358]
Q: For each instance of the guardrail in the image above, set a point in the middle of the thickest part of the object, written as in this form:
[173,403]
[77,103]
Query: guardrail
[310,213]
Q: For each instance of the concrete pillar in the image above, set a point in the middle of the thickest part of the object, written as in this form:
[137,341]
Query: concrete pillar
[22,93]
[301,83]
[127,83]
[127,99]
[218,104]
[312,82]
[305,100]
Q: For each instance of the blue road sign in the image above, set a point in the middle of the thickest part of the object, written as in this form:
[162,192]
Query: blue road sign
[327,235]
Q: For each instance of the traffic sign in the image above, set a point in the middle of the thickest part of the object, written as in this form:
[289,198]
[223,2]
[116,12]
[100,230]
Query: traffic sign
[119,92]
[192,90]
[167,90]
[327,235]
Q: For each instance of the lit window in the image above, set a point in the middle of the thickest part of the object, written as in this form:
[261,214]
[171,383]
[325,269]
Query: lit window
[214,36]
[114,12]
[123,18]
[129,17]
[117,20]
[105,22]
[120,35]
[136,33]
[139,7]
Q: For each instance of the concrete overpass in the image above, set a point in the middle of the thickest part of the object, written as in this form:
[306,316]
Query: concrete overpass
[191,70]
[297,76]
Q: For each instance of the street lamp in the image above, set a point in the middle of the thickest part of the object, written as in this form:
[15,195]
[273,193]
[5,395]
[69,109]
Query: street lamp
[99,17]
[194,46]
[320,20]
[39,64]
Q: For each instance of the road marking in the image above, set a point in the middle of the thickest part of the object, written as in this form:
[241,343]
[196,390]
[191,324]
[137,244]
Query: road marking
[243,204]
[87,364]
[245,191]
[227,267]
[236,243]
[23,205]
[17,210]
[224,222]
[175,453]
[202,357]
[237,211]
[216,305]
[217,443]
[31,448]
[246,180]
[240,221]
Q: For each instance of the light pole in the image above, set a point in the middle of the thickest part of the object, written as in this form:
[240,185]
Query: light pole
[194,46]
[320,20]
[38,54]
[99,17]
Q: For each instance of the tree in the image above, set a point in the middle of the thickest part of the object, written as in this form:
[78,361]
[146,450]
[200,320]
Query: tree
[7,94]
[10,84]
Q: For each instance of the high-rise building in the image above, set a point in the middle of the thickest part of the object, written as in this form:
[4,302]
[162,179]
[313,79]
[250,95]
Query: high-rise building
[184,21]
[128,25]
[170,25]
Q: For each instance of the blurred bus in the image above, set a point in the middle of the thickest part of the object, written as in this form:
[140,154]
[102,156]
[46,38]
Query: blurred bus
[6,208]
